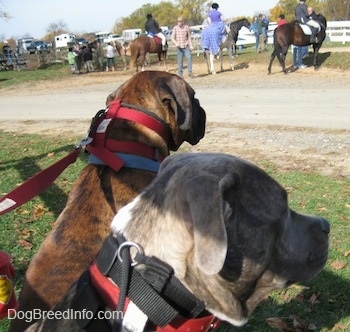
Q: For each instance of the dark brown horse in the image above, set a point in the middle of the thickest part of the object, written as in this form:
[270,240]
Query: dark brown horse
[142,45]
[291,33]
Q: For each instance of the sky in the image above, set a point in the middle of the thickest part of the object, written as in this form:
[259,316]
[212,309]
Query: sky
[32,17]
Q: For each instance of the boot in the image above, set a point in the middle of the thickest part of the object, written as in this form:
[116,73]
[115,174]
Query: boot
[106,68]
[313,38]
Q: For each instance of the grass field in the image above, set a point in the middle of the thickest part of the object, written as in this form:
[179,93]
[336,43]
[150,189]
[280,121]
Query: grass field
[320,305]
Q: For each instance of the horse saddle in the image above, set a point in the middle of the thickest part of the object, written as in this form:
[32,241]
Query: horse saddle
[156,39]
[307,29]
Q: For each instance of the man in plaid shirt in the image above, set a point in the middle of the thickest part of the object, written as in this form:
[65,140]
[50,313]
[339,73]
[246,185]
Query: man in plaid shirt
[181,37]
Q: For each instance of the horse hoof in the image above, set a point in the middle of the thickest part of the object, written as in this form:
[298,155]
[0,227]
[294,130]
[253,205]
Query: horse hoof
[213,72]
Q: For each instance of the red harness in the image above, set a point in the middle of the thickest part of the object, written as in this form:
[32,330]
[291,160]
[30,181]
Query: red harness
[97,144]
[109,292]
[103,147]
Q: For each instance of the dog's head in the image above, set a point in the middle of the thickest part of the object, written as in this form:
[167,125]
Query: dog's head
[169,97]
[226,228]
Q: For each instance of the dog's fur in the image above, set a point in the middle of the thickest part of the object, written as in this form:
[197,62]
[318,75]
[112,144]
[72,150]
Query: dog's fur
[100,192]
[225,227]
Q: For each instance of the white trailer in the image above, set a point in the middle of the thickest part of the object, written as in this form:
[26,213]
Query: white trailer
[64,40]
[131,34]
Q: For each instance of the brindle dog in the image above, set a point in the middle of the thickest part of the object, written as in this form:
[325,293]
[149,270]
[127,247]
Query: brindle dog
[100,192]
[226,229]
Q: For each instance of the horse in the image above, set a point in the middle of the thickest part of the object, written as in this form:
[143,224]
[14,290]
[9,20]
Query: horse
[212,43]
[142,45]
[120,48]
[292,33]
[231,40]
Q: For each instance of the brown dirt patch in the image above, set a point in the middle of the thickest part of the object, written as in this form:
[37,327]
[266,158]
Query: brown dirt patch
[311,150]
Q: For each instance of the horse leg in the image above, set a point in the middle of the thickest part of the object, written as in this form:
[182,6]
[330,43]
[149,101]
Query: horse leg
[273,55]
[207,56]
[315,62]
[230,57]
[142,61]
[165,60]
[221,56]
[211,60]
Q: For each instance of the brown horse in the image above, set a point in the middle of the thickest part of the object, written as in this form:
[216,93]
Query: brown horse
[142,45]
[291,33]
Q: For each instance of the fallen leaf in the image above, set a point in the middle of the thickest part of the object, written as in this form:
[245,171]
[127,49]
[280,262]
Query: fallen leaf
[297,323]
[38,211]
[347,253]
[338,265]
[25,244]
[313,298]
[50,154]
[311,327]
[278,323]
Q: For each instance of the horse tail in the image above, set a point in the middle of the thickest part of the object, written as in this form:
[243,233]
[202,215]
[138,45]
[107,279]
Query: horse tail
[133,55]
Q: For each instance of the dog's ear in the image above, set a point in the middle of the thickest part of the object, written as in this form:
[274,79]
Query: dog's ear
[179,98]
[209,211]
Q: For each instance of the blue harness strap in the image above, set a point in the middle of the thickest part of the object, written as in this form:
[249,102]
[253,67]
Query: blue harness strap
[130,161]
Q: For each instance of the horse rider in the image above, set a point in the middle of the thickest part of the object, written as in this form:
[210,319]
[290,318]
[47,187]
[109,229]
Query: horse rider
[152,28]
[215,18]
[302,16]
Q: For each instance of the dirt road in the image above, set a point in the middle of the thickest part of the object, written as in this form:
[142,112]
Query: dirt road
[300,120]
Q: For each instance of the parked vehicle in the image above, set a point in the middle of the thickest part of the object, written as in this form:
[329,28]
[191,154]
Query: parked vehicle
[38,46]
[22,45]
[101,36]
[81,41]
[113,37]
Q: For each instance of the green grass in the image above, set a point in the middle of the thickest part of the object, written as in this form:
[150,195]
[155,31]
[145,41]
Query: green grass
[320,305]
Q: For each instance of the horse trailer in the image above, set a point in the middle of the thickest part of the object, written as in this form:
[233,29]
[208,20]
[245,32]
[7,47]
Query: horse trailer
[23,43]
[64,40]
[131,34]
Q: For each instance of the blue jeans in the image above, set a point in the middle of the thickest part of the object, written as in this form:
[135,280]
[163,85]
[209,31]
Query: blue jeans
[181,52]
[298,53]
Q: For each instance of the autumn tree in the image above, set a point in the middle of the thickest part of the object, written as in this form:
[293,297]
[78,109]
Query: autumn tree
[166,13]
[333,10]
[337,10]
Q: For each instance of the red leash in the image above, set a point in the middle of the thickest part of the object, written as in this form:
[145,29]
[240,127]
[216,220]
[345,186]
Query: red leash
[36,184]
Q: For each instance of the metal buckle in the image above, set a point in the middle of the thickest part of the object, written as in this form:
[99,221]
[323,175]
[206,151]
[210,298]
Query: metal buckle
[130,244]
[84,142]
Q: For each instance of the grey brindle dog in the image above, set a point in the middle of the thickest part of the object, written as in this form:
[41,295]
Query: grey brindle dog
[225,228]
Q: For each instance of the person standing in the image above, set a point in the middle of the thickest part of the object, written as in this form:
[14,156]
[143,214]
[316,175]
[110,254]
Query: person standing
[7,52]
[153,29]
[181,37]
[110,55]
[254,29]
[264,29]
[302,15]
[261,45]
[87,58]
[71,60]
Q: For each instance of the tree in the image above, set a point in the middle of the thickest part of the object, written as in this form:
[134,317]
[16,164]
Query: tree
[287,7]
[4,15]
[337,10]
[193,11]
[166,13]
